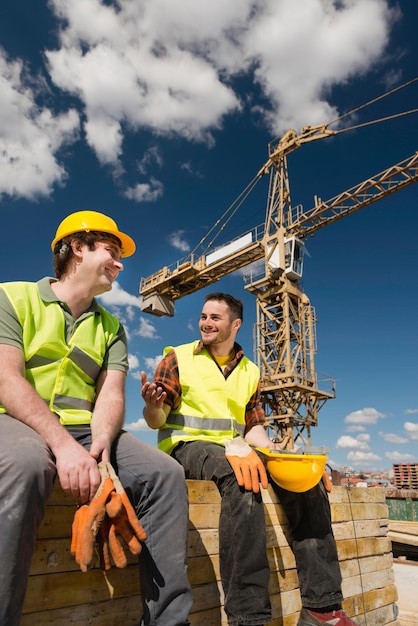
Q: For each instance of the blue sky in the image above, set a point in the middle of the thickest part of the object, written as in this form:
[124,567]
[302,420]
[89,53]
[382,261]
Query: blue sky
[159,114]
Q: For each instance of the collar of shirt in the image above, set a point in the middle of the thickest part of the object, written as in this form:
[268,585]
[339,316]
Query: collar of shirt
[239,353]
[48,295]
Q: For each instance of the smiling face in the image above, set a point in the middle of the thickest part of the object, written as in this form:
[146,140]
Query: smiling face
[100,266]
[217,329]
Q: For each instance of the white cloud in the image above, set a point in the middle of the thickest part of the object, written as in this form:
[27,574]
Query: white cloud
[412,430]
[303,48]
[355,429]
[151,156]
[363,458]
[364,416]
[411,411]
[133,361]
[31,136]
[145,192]
[168,66]
[399,457]
[347,442]
[146,329]
[152,362]
[137,426]
[178,241]
[393,438]
[171,68]
[119,297]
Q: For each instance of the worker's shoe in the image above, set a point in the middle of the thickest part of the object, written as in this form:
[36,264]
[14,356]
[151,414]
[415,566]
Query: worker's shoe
[308,617]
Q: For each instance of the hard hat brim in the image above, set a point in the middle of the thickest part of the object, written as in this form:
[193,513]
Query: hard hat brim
[128,244]
[292,471]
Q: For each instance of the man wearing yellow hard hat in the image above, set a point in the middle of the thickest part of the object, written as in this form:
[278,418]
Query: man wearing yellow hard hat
[205,401]
[64,361]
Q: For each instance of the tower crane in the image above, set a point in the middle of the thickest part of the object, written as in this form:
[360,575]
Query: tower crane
[293,392]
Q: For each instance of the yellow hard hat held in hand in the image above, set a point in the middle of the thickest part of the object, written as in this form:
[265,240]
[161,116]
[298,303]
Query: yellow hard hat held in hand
[293,471]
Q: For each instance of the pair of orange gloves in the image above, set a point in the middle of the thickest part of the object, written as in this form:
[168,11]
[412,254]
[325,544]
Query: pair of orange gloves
[107,519]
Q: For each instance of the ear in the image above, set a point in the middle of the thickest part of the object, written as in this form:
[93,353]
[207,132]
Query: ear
[236,324]
[77,247]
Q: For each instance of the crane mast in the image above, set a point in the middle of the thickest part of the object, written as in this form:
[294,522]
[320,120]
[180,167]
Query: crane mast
[285,338]
[285,342]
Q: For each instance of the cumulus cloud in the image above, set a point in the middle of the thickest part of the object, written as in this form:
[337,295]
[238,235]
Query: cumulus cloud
[393,438]
[146,329]
[152,362]
[172,69]
[412,430]
[363,458]
[178,241]
[399,457]
[133,362]
[31,135]
[364,416]
[145,192]
[140,425]
[119,297]
[346,442]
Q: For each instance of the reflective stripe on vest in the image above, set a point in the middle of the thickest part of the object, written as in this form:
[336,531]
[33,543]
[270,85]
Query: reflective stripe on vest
[214,410]
[63,374]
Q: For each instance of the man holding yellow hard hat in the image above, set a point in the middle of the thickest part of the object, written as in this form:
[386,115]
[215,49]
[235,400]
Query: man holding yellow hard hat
[205,401]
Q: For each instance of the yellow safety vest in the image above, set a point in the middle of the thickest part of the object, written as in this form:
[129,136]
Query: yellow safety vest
[212,407]
[63,374]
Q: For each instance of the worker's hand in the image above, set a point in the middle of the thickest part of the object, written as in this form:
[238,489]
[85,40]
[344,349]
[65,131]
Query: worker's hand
[87,521]
[152,393]
[100,448]
[248,467]
[77,470]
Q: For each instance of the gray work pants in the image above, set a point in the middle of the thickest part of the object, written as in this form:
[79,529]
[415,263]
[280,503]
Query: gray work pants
[154,482]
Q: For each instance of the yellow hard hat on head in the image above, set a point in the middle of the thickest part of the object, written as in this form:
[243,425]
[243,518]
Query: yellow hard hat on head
[84,221]
[295,472]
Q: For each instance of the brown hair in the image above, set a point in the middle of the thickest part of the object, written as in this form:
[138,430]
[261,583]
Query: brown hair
[63,252]
[234,305]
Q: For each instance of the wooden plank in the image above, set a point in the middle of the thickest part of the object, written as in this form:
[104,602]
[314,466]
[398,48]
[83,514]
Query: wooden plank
[54,591]
[98,613]
[58,593]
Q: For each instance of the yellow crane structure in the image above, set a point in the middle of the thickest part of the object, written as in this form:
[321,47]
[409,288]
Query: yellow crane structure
[293,392]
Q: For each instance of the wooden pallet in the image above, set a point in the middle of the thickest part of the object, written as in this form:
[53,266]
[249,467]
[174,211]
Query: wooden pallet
[58,593]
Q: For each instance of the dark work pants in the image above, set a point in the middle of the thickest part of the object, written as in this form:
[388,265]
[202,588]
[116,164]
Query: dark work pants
[242,538]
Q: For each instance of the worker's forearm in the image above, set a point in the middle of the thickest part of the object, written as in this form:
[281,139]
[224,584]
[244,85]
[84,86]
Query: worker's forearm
[107,421]
[155,416]
[23,403]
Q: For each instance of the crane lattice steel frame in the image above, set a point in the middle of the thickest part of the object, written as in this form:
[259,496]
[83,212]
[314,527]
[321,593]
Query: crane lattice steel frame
[285,341]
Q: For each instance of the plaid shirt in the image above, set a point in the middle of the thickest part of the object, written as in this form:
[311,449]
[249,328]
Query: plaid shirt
[167,377]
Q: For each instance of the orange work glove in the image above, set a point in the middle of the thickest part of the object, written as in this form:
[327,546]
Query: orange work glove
[124,518]
[248,467]
[110,546]
[87,521]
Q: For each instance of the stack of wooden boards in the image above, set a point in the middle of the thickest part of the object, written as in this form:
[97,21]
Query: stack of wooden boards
[58,593]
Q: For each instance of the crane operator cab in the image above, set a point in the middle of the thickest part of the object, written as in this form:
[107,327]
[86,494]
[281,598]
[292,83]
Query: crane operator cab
[294,251]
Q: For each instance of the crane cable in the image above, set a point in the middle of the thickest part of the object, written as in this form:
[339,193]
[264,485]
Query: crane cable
[233,208]
[366,104]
